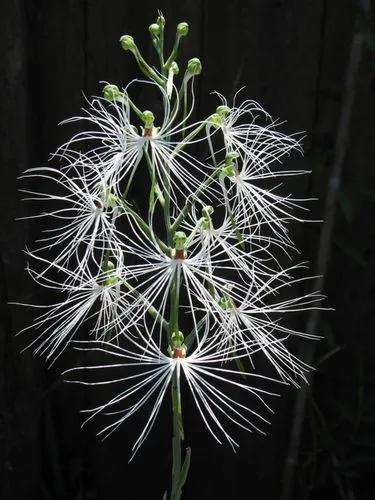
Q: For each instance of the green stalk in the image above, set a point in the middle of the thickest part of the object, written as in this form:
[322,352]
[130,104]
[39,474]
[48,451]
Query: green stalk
[173,54]
[175,301]
[188,138]
[161,49]
[185,108]
[125,206]
[179,470]
[146,69]
[185,210]
[176,439]
[137,111]
[151,310]
[237,232]
[212,152]
[167,205]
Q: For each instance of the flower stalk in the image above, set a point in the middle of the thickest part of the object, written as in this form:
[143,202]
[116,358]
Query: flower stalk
[213,265]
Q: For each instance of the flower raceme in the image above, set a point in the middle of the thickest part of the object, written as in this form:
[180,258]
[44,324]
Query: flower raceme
[206,253]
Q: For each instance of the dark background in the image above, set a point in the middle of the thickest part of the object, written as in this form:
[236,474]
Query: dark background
[292,55]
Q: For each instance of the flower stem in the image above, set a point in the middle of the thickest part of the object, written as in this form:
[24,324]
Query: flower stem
[179,470]
[189,202]
[144,226]
[152,311]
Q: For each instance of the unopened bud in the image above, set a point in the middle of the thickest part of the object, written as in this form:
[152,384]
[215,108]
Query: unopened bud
[111,92]
[183,29]
[194,66]
[154,29]
[127,42]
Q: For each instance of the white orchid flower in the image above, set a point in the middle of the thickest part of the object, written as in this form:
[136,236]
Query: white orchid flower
[144,375]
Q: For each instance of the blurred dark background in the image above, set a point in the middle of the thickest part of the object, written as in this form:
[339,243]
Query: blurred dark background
[309,62]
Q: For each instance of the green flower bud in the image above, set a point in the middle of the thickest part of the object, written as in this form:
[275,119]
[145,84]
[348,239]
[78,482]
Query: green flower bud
[127,42]
[179,240]
[148,118]
[182,29]
[207,211]
[223,110]
[111,92]
[154,29]
[175,69]
[194,66]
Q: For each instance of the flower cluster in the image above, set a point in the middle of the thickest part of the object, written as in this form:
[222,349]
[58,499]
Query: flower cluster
[199,299]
